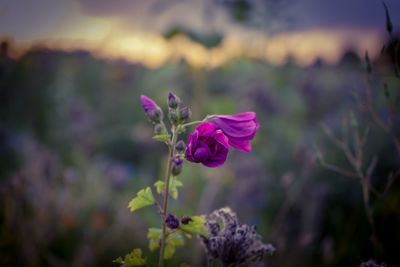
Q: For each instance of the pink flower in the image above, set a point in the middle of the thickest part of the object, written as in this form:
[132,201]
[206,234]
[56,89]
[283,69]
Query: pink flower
[239,128]
[207,145]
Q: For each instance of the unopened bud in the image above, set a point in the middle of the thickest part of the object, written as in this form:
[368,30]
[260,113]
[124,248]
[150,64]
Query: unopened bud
[152,110]
[180,146]
[171,221]
[186,220]
[155,115]
[173,100]
[173,117]
[159,128]
[177,165]
[185,113]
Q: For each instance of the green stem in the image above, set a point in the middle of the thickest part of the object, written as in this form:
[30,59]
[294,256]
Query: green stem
[166,195]
[164,211]
[197,122]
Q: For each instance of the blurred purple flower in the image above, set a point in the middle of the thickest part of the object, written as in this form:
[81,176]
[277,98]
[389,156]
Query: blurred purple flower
[239,128]
[207,145]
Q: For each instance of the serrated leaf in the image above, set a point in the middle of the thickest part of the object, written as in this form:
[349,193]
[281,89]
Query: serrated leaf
[159,186]
[154,238]
[196,226]
[169,252]
[118,260]
[173,187]
[143,198]
[132,259]
[162,137]
[174,239]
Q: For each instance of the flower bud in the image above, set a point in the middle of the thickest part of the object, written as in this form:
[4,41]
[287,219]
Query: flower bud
[173,117]
[186,220]
[177,165]
[171,221]
[152,110]
[155,115]
[159,128]
[185,113]
[180,146]
[173,100]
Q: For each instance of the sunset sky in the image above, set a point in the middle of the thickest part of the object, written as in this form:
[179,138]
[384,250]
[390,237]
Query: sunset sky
[132,29]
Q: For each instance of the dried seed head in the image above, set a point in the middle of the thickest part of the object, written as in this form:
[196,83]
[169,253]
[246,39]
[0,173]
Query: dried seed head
[232,243]
[372,263]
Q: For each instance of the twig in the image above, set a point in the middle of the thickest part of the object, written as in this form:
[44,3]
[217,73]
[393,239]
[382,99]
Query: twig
[355,160]
[377,119]
[337,169]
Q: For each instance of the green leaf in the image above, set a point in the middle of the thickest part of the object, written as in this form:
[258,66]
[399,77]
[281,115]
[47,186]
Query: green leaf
[169,252]
[159,186]
[143,198]
[174,183]
[132,259]
[174,239]
[162,137]
[196,226]
[154,238]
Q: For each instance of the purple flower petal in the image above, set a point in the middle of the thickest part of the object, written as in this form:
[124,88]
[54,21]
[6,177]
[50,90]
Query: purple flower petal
[243,146]
[207,145]
[201,154]
[244,116]
[206,129]
[239,128]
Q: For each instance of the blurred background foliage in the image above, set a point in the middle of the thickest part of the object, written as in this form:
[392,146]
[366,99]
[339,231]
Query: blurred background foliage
[76,147]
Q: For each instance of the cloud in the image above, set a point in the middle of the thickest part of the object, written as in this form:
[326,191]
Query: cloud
[25,20]
[356,14]
[33,20]
[303,29]
[273,16]
[159,15]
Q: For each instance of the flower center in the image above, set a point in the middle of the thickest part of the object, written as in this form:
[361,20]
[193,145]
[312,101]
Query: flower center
[201,154]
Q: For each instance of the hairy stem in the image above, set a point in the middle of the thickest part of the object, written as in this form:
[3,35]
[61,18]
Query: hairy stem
[166,196]
[197,122]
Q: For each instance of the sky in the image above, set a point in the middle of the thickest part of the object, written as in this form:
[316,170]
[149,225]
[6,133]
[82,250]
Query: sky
[133,29]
